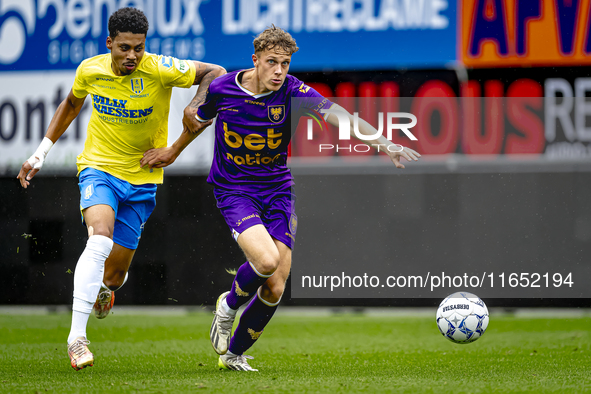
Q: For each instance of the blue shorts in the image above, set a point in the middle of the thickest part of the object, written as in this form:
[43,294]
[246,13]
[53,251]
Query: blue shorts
[133,204]
[275,209]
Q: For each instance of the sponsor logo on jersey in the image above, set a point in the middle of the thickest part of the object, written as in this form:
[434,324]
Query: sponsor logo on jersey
[137,85]
[253,142]
[254,102]
[320,105]
[116,108]
[303,88]
[102,86]
[276,113]
[252,160]
[104,79]
[181,65]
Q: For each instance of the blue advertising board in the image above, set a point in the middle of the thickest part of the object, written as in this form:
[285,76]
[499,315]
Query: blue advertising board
[331,34]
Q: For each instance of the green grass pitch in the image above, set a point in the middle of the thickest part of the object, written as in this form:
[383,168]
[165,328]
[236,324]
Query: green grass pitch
[339,353]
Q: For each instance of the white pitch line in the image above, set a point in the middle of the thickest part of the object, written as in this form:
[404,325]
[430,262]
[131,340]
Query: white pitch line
[310,311]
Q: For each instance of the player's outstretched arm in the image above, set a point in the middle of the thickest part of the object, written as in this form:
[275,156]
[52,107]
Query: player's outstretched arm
[206,72]
[192,127]
[395,151]
[63,117]
[163,157]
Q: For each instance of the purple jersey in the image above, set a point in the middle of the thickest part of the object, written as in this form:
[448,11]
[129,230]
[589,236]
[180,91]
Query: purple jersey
[253,131]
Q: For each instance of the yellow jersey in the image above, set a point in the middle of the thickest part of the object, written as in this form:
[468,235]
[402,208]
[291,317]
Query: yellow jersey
[130,113]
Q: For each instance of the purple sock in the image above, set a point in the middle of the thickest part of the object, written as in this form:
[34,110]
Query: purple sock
[252,322]
[244,286]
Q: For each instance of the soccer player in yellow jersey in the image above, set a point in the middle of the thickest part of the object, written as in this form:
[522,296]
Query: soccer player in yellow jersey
[130,92]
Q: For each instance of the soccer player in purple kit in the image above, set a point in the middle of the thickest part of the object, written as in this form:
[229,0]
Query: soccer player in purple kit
[253,185]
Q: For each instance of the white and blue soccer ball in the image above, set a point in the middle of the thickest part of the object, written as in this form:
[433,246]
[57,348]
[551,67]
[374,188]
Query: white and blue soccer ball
[462,317]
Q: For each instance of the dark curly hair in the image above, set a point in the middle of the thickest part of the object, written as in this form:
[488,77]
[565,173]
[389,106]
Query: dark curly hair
[275,38]
[128,20]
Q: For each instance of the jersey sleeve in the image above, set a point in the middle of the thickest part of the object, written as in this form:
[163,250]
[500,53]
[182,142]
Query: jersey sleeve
[176,73]
[308,99]
[79,89]
[208,110]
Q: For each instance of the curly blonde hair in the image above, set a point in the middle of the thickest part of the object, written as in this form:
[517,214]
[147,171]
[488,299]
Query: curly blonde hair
[275,38]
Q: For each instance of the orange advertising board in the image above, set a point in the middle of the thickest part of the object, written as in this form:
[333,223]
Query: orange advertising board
[507,33]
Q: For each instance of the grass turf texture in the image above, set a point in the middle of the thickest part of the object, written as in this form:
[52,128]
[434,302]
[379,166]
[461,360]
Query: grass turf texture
[341,353]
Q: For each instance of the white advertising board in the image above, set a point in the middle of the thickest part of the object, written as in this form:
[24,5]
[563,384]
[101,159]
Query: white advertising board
[28,101]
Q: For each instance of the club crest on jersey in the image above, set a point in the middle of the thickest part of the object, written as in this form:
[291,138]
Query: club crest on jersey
[137,85]
[293,223]
[276,113]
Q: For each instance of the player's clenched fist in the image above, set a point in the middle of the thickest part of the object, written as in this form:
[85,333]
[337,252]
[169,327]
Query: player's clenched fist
[34,163]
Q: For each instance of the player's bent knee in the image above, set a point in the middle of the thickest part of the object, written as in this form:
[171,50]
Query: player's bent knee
[268,264]
[115,280]
[272,293]
[105,231]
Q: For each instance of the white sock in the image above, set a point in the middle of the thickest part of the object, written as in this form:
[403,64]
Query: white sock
[88,277]
[78,328]
[105,287]
[227,308]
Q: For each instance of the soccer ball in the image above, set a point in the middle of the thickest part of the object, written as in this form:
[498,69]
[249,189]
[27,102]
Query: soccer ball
[462,317]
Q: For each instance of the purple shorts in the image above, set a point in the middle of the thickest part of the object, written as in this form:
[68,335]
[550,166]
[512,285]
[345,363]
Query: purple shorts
[275,209]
